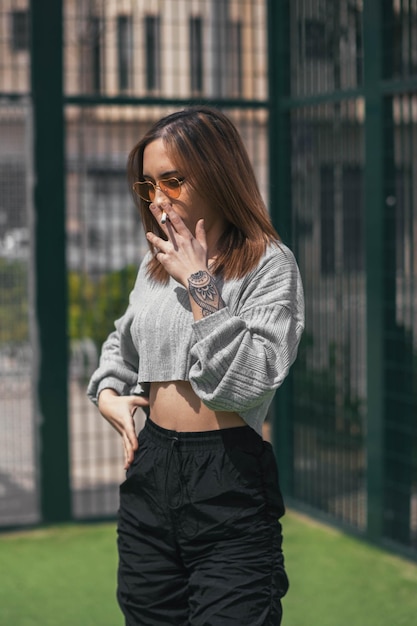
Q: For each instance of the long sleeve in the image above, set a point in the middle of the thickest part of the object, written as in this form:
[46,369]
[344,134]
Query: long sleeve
[119,360]
[240,358]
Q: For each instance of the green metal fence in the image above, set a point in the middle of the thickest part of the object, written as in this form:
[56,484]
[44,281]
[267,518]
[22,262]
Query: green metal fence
[346,97]
[325,95]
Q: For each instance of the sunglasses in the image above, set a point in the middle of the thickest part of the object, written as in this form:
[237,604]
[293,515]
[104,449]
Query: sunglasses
[146,189]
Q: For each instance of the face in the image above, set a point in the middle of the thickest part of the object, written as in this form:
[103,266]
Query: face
[189,205]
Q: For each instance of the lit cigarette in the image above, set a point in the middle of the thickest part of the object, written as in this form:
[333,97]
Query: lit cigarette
[164,217]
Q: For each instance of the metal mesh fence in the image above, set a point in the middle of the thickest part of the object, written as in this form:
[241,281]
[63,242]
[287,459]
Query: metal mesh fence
[157,50]
[327,189]
[105,246]
[330,376]
[326,46]
[347,452]
[18,472]
[348,133]
[112,50]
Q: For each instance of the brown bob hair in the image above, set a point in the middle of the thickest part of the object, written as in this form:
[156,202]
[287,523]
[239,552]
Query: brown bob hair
[209,152]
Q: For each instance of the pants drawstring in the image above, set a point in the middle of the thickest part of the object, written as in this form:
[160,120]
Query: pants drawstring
[174,457]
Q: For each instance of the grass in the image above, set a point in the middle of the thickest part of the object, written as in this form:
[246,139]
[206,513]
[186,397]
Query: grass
[60,576]
[337,580]
[65,576]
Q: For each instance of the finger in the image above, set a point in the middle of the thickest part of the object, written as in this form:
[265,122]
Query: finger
[160,212]
[158,243]
[163,246]
[125,454]
[130,435]
[172,235]
[200,234]
[128,460]
[176,224]
[139,401]
[163,209]
[129,451]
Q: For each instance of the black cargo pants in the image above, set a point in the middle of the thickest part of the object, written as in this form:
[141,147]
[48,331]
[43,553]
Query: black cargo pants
[198,533]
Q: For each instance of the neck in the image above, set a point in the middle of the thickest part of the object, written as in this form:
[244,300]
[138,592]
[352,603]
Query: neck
[213,234]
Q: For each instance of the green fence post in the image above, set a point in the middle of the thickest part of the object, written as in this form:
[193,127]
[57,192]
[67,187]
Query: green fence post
[280,205]
[374,234]
[398,387]
[50,265]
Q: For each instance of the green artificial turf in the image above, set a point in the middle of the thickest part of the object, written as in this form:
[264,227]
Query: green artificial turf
[60,576]
[65,576]
[337,580]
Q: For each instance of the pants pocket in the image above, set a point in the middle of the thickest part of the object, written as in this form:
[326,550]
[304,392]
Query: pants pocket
[272,490]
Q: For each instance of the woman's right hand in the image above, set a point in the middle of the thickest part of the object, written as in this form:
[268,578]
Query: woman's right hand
[119,412]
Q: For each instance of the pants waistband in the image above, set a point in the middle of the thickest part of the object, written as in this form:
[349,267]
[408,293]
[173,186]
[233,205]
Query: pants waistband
[239,435]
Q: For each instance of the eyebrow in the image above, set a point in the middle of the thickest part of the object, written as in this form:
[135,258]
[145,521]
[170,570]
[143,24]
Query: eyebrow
[171,173]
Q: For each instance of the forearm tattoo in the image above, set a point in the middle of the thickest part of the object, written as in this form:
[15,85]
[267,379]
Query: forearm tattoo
[204,292]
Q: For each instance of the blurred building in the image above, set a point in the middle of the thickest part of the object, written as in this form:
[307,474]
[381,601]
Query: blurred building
[124,49]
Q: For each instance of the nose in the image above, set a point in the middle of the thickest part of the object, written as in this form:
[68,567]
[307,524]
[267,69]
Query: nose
[160,196]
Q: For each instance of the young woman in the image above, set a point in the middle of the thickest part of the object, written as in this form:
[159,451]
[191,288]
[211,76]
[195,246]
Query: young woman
[211,330]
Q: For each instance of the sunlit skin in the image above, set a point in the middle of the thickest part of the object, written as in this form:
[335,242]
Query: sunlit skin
[192,229]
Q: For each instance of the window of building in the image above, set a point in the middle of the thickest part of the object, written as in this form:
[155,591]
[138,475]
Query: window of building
[235,69]
[353,235]
[96,54]
[124,51]
[355,23]
[91,67]
[196,54]
[351,246]
[399,212]
[110,234]
[20,31]
[152,52]
[13,212]
[402,60]
[314,39]
[327,219]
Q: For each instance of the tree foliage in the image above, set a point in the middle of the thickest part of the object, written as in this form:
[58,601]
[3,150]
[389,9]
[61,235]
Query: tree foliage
[14,302]
[93,305]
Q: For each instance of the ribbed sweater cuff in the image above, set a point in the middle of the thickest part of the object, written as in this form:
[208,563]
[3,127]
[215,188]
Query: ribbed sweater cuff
[111,383]
[211,323]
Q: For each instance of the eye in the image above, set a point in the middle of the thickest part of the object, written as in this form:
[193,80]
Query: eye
[171,183]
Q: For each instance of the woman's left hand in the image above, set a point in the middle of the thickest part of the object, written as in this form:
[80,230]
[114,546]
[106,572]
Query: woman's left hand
[183,253]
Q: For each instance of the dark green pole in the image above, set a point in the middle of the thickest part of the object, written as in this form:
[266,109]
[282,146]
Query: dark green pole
[49,267]
[280,205]
[398,389]
[374,232]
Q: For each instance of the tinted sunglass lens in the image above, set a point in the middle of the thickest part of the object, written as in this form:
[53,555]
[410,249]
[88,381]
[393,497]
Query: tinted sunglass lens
[170,187]
[145,190]
[150,192]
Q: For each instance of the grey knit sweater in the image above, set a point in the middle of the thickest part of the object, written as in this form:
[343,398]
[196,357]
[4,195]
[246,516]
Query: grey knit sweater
[235,359]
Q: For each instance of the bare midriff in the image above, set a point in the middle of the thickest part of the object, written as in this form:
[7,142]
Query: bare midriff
[175,406]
